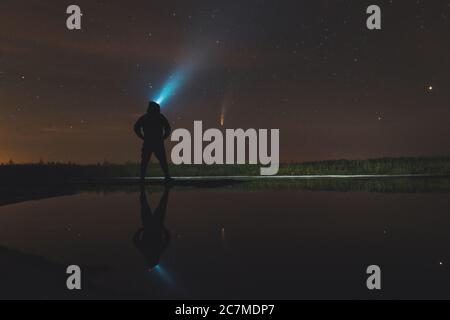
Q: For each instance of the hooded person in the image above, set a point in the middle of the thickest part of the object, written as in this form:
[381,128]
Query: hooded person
[153,128]
[153,238]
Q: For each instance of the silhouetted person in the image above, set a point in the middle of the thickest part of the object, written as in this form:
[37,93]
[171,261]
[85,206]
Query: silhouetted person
[153,128]
[153,238]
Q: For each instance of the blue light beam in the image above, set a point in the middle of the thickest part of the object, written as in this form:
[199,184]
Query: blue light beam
[171,86]
[177,79]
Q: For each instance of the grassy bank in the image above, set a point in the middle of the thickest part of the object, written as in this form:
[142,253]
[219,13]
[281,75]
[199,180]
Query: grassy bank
[60,172]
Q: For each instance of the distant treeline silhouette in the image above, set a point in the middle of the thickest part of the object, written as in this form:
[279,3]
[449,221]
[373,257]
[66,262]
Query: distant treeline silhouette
[57,172]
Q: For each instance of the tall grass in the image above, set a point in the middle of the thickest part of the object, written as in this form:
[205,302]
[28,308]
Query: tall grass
[49,172]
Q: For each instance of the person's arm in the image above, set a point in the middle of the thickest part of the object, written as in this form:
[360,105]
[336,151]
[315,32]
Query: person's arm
[137,238]
[167,129]
[138,128]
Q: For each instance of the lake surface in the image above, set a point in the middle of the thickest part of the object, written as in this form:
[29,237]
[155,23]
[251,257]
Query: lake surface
[228,242]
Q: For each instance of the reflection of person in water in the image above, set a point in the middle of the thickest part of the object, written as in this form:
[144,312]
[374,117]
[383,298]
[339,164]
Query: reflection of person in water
[153,128]
[153,238]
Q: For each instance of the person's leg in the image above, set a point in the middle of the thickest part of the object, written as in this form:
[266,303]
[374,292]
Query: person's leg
[145,159]
[145,207]
[160,154]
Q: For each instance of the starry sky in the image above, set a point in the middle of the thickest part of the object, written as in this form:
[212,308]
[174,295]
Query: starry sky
[310,68]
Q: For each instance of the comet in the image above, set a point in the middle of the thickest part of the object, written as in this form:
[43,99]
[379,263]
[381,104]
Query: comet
[222,118]
[227,99]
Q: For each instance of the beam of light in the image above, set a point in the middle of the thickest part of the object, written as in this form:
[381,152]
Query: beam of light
[170,87]
[175,81]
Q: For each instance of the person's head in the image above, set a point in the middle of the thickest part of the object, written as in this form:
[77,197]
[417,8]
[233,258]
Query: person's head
[153,107]
[152,263]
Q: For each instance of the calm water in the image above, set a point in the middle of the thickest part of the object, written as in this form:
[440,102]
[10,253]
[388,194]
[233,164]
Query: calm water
[227,243]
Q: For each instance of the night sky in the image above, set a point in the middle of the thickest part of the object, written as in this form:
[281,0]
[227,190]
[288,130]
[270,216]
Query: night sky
[308,67]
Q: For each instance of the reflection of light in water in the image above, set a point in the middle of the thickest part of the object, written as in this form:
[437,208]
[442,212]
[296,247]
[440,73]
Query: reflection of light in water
[222,238]
[163,274]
